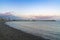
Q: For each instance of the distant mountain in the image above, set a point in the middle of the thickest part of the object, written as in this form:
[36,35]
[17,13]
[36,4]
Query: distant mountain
[41,18]
[9,16]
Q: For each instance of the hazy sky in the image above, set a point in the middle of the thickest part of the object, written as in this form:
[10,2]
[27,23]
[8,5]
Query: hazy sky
[31,7]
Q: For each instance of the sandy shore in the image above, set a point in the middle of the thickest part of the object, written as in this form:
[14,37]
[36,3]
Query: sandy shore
[9,33]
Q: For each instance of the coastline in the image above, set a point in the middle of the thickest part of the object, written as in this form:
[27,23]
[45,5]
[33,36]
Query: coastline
[9,33]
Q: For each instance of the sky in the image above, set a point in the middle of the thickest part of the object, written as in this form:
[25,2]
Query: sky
[27,8]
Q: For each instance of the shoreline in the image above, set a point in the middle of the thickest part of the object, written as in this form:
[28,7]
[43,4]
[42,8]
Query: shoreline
[9,33]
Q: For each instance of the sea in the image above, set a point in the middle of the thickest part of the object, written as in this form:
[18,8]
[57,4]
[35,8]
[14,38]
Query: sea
[47,29]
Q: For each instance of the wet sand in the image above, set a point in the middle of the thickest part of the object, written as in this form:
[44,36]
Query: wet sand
[9,33]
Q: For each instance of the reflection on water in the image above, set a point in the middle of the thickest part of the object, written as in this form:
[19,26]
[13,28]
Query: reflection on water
[50,30]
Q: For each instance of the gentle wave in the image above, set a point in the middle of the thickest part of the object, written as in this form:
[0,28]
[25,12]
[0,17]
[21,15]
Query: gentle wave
[49,30]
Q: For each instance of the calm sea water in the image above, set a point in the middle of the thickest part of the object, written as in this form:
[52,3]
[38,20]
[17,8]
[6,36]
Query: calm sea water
[46,29]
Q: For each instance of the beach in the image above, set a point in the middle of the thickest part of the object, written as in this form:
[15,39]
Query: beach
[9,33]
